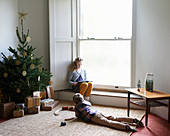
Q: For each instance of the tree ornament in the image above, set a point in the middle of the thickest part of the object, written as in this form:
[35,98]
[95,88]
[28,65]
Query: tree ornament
[38,78]
[32,66]
[40,69]
[50,82]
[18,90]
[28,39]
[32,56]
[17,62]
[24,54]
[24,73]
[9,57]
[22,14]
[28,83]
[5,74]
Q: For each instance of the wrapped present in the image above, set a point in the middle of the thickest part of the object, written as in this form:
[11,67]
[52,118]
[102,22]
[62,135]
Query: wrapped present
[43,94]
[49,107]
[19,106]
[33,110]
[36,94]
[18,113]
[6,110]
[50,92]
[47,101]
[32,102]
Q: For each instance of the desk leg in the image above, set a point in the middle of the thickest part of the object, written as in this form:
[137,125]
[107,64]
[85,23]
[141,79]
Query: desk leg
[169,111]
[128,104]
[147,111]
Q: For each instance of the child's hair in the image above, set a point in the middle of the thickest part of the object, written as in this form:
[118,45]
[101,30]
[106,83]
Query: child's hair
[73,65]
[78,98]
[78,59]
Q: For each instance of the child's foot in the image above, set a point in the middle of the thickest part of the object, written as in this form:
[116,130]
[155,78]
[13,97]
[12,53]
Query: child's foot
[138,123]
[133,129]
[129,128]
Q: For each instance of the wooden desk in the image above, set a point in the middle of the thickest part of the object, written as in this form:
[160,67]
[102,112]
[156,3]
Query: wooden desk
[149,100]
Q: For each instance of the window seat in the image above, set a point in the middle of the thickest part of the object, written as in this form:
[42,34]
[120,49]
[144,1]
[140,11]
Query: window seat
[117,99]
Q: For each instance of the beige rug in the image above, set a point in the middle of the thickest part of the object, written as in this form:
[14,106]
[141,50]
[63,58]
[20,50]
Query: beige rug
[46,124]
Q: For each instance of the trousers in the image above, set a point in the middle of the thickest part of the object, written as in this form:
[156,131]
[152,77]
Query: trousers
[111,121]
[86,88]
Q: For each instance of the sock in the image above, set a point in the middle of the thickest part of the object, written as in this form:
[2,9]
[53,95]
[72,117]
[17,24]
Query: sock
[129,128]
[87,98]
[139,123]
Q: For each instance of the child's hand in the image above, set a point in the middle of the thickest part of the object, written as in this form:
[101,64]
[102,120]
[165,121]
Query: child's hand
[57,112]
[70,118]
[75,83]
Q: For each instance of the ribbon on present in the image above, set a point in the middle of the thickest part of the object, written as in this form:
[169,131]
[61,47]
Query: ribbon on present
[18,113]
[36,101]
[32,102]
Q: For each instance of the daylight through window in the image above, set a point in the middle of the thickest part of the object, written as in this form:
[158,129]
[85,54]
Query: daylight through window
[105,40]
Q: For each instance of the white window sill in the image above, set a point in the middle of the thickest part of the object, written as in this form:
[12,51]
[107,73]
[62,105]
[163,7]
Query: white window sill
[109,88]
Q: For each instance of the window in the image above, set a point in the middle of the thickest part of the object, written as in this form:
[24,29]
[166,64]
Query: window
[105,31]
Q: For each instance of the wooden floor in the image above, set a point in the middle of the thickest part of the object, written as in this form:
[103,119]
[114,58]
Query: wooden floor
[157,126]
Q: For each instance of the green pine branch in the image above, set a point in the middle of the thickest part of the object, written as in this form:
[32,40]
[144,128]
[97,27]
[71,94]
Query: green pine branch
[13,51]
[19,37]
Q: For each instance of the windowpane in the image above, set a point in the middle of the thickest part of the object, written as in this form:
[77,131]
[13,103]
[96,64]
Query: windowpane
[106,19]
[107,62]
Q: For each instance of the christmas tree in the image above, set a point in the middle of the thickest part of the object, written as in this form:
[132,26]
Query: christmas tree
[21,74]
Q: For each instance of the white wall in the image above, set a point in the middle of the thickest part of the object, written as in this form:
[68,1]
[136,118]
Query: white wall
[37,22]
[153,45]
[8,23]
[153,41]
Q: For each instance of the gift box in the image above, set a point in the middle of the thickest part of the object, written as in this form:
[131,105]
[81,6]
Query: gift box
[33,110]
[36,94]
[47,101]
[18,113]
[43,94]
[6,110]
[50,92]
[32,102]
[49,107]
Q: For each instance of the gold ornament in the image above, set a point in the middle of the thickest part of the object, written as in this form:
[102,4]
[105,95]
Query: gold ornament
[24,54]
[5,74]
[18,62]
[50,82]
[32,66]
[22,14]
[9,57]
[32,56]
[28,39]
[18,90]
[28,83]
[24,73]
[40,68]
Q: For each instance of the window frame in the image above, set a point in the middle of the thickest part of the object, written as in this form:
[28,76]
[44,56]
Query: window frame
[132,57]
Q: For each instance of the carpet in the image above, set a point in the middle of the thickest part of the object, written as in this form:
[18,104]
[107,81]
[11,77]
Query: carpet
[46,124]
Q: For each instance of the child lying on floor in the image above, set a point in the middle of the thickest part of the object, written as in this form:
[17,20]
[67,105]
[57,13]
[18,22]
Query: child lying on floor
[84,111]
